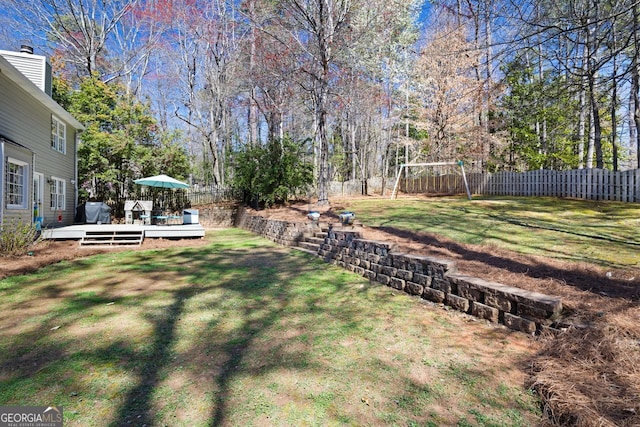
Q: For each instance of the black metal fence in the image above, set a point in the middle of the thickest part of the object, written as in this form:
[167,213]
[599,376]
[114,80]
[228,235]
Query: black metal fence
[206,195]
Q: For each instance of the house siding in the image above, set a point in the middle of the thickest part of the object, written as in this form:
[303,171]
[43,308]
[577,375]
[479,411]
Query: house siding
[27,122]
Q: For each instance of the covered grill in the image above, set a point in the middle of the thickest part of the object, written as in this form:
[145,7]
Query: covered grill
[93,213]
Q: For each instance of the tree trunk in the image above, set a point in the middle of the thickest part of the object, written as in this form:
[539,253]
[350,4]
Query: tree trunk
[323,139]
[354,152]
[590,145]
[635,85]
[323,176]
[595,113]
[636,109]
[614,104]
[582,119]
[252,118]
[252,114]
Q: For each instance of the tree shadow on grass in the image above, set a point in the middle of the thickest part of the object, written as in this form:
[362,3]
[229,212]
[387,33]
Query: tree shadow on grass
[268,299]
[137,407]
[263,292]
[573,276]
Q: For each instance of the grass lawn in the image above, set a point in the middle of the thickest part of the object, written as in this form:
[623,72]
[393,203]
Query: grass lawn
[243,332]
[600,233]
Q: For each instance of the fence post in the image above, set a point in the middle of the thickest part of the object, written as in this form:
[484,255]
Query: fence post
[514,188]
[571,177]
[589,175]
[563,181]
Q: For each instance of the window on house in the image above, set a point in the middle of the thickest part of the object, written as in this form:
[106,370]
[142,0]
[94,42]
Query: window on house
[58,135]
[57,194]
[17,173]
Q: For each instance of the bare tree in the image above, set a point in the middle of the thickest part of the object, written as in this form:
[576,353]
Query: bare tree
[83,32]
[202,50]
[635,83]
[321,29]
[445,79]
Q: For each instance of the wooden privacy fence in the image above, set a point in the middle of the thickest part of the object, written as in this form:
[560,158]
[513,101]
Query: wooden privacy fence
[589,184]
[445,184]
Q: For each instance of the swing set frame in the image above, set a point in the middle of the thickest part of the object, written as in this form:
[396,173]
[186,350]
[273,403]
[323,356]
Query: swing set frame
[394,193]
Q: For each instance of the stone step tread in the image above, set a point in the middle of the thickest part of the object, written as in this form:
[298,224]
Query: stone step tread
[310,246]
[316,240]
[309,251]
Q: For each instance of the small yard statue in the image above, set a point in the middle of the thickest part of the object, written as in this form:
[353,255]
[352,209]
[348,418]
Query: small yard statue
[347,218]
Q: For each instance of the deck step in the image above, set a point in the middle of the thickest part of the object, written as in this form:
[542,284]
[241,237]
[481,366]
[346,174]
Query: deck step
[112,238]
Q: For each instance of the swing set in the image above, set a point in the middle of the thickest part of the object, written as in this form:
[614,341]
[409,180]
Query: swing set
[433,170]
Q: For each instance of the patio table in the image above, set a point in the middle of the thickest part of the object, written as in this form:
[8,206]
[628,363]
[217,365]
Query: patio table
[159,219]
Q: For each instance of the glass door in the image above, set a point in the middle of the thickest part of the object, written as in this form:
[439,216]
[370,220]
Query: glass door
[38,197]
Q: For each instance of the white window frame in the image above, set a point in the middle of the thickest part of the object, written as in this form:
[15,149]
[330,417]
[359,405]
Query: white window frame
[23,191]
[58,135]
[58,192]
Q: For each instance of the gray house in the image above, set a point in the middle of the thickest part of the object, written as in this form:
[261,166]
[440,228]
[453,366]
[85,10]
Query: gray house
[38,140]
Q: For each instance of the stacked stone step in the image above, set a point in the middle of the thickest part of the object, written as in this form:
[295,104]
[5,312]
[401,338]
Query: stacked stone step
[311,243]
[283,232]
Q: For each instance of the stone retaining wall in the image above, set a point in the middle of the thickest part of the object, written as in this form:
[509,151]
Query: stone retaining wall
[217,215]
[430,278]
[282,232]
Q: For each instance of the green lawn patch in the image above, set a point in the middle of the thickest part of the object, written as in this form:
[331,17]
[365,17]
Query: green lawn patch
[244,332]
[601,233]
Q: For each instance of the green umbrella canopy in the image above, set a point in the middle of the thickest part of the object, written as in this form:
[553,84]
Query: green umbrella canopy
[161,181]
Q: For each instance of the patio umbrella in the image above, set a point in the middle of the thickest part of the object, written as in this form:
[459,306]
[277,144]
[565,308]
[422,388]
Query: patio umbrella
[161,181]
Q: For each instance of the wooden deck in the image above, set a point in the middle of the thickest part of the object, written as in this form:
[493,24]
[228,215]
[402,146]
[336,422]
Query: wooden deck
[80,231]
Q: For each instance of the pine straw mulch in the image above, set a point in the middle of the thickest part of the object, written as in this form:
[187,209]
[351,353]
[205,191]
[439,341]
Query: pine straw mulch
[588,373]
[47,252]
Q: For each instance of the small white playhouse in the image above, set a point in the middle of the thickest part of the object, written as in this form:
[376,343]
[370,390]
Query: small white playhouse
[138,211]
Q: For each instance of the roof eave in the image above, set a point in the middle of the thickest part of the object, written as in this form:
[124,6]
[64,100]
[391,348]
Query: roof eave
[18,78]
